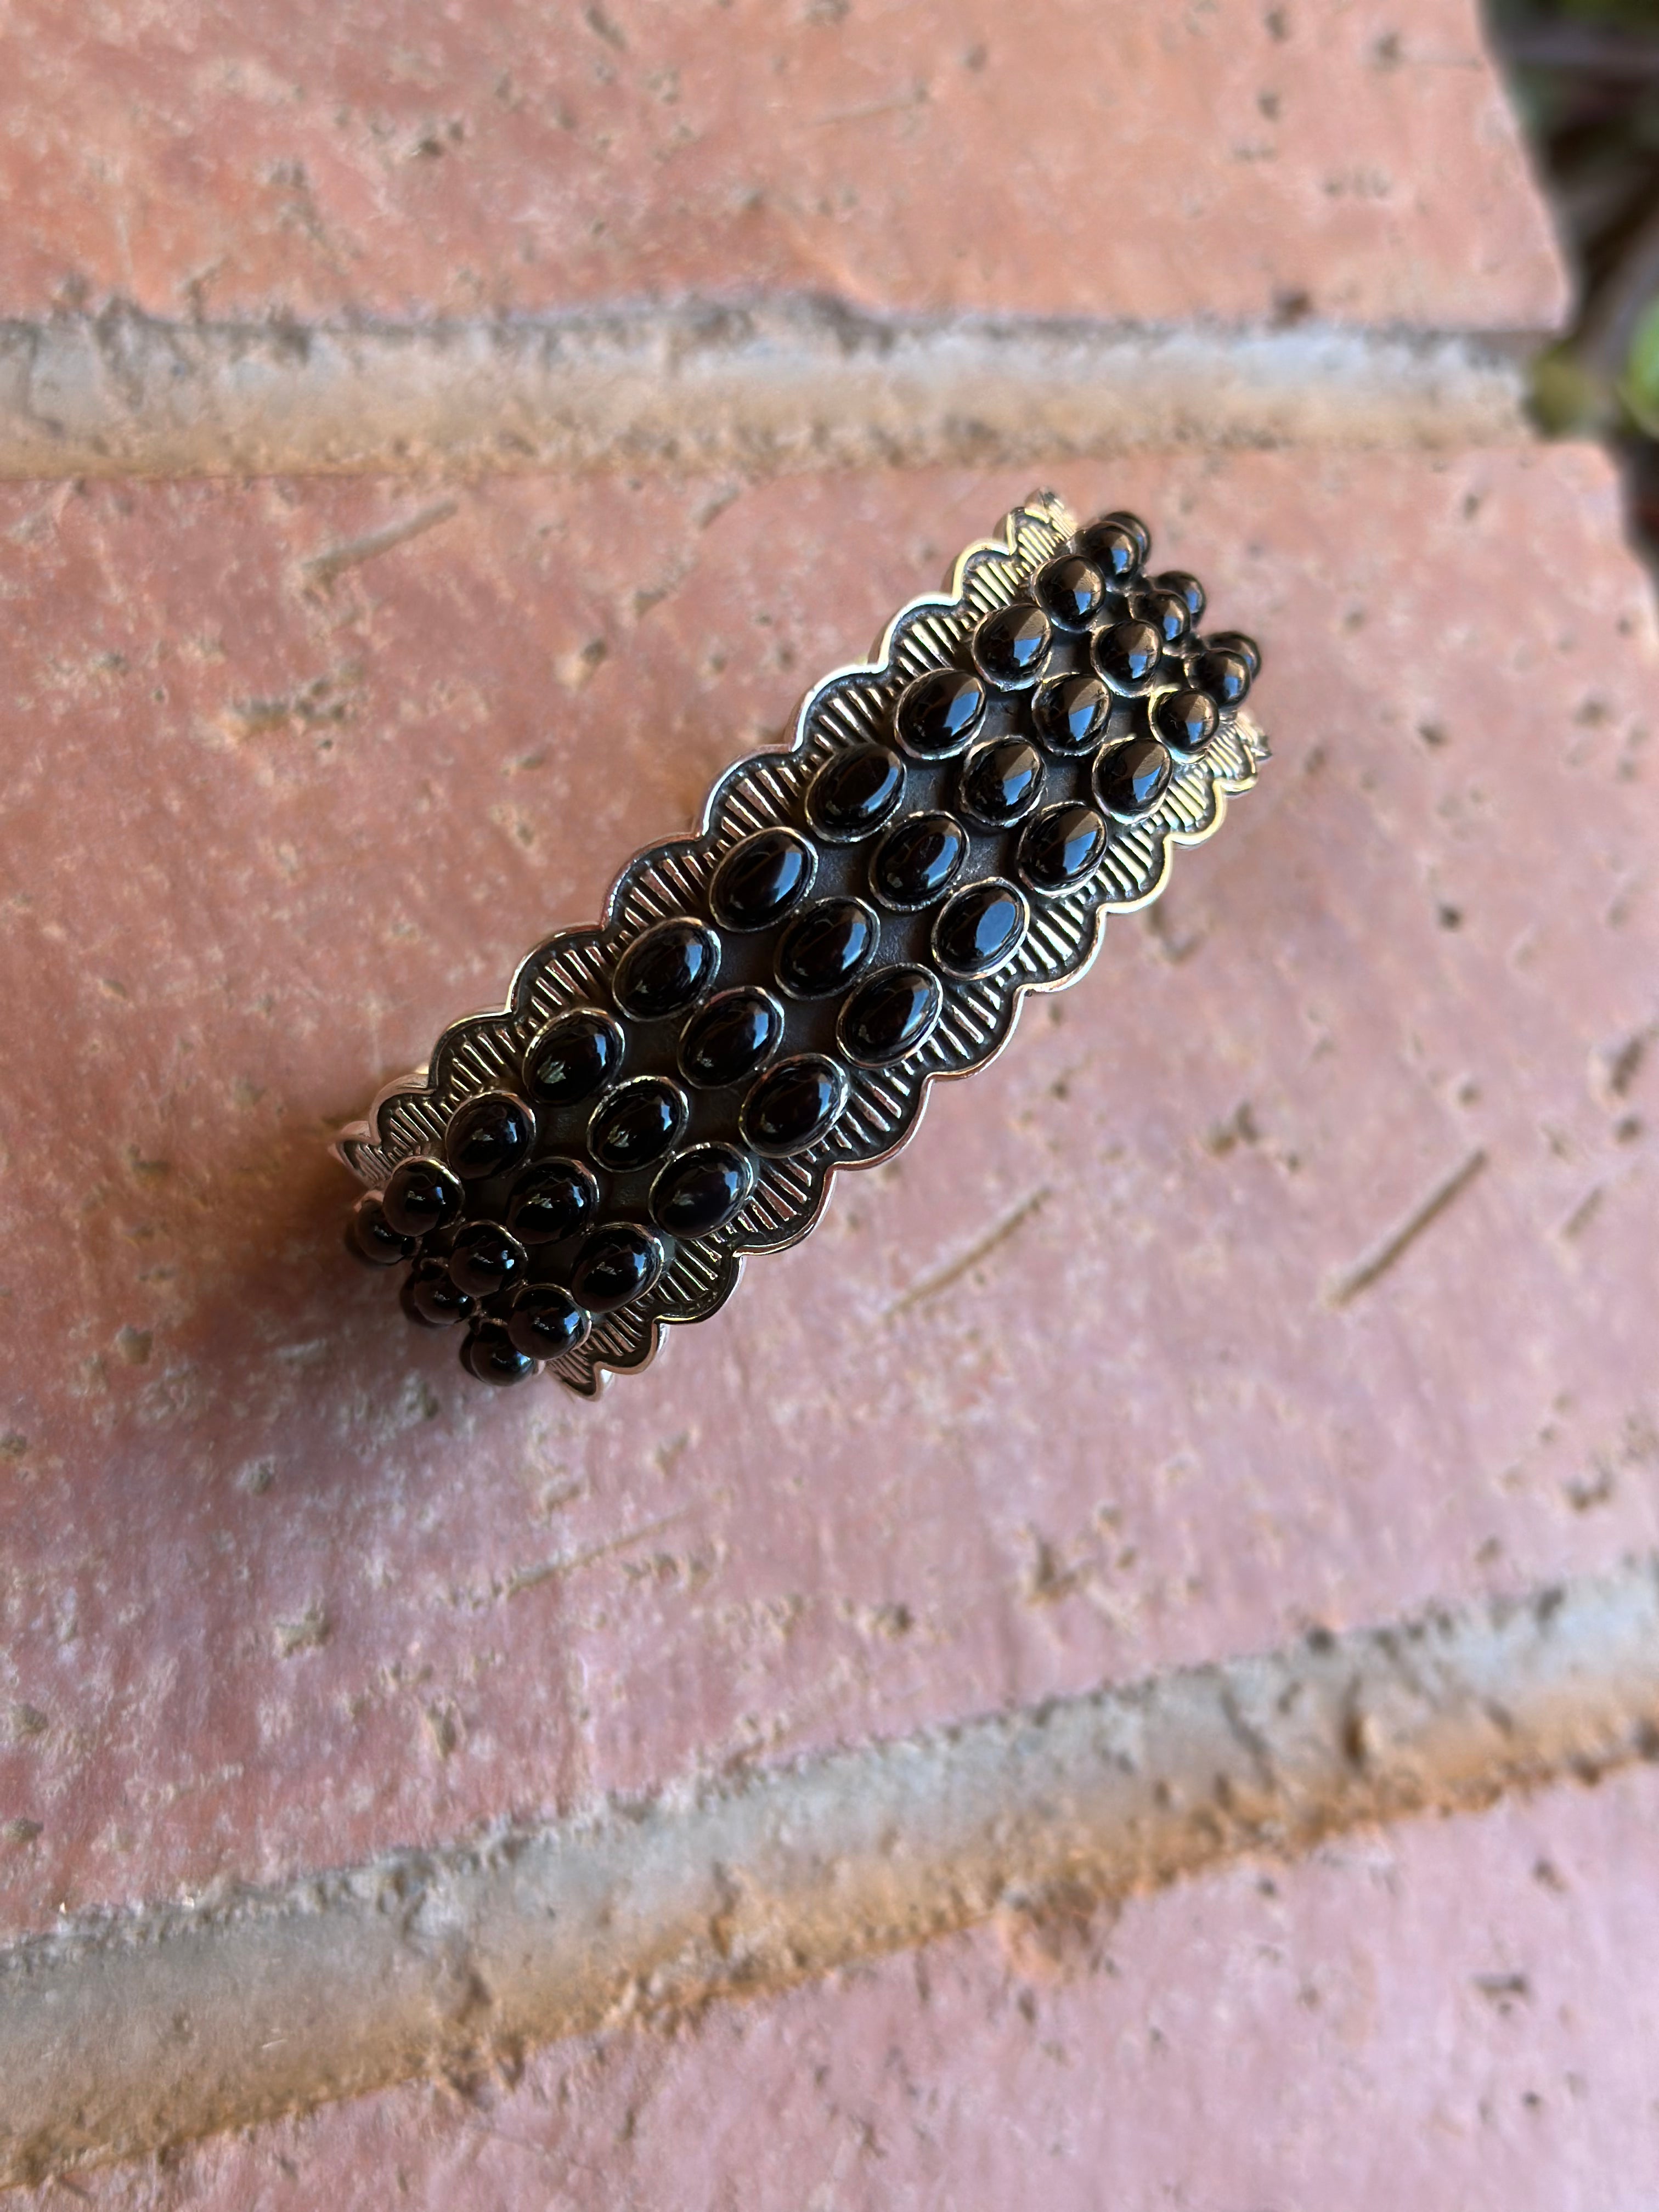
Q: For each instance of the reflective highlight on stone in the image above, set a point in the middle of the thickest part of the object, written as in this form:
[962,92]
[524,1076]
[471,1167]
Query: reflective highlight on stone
[794,1105]
[1010,645]
[431,1296]
[1186,720]
[854,793]
[890,1015]
[546,1321]
[616,1264]
[759,880]
[665,970]
[1061,848]
[1070,590]
[485,1259]
[636,1124]
[1127,654]
[371,1237]
[568,1061]
[701,1190]
[1069,713]
[917,859]
[489,1135]
[980,929]
[937,714]
[490,1354]
[1130,778]
[825,947]
[421,1194]
[1001,782]
[552,1200]
[726,1041]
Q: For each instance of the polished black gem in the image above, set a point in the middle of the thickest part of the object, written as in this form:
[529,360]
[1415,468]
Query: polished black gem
[421,1195]
[855,792]
[618,1263]
[1234,641]
[1130,778]
[792,1105]
[371,1237]
[889,1015]
[1001,780]
[489,1135]
[726,1041]
[1061,848]
[1127,652]
[1186,720]
[490,1354]
[1187,589]
[552,1199]
[826,947]
[1070,590]
[915,861]
[485,1259]
[1224,676]
[636,1124]
[980,928]
[1010,646]
[431,1295]
[759,880]
[1167,613]
[937,714]
[700,1190]
[1069,711]
[663,970]
[546,1321]
[1118,544]
[569,1060]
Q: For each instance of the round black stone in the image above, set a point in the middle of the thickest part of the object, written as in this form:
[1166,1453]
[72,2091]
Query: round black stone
[491,1355]
[421,1194]
[1130,778]
[700,1190]
[759,880]
[1010,646]
[1167,613]
[486,1259]
[1070,590]
[889,1015]
[825,947]
[792,1105]
[1186,588]
[579,1051]
[663,971]
[1127,654]
[636,1124]
[1069,713]
[855,792]
[552,1199]
[937,714]
[1117,543]
[431,1295]
[916,860]
[980,928]
[1224,676]
[546,1321]
[618,1263]
[726,1041]
[371,1237]
[1061,848]
[489,1135]
[1234,641]
[1186,720]
[1001,782]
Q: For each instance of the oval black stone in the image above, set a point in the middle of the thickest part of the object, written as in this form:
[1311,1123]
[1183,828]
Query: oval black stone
[570,1060]
[1127,654]
[1061,848]
[937,714]
[371,1237]
[1118,544]
[663,970]
[1070,590]
[552,1199]
[1010,645]
[485,1259]
[431,1295]
[1130,778]
[1186,720]
[1069,711]
[726,1041]
[1167,613]
[792,1105]
[546,1321]
[1234,641]
[759,880]
[889,1015]
[826,947]
[855,792]
[618,1263]
[491,1355]
[980,928]
[1186,588]
[489,1135]
[916,860]
[636,1124]
[1224,676]
[700,1190]
[1001,782]
[423,1194]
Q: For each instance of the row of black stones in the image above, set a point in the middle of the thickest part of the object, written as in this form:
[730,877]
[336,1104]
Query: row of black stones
[537,1261]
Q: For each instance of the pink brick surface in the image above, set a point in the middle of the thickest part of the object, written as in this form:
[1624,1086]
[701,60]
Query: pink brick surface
[280,1588]
[1088,157]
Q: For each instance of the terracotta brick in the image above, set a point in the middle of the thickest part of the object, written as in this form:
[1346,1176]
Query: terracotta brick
[1091,157]
[281,1588]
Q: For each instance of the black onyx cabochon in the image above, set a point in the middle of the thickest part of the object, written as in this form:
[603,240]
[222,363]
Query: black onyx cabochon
[546,1320]
[1186,720]
[552,1200]
[889,1015]
[486,1258]
[431,1296]
[616,1264]
[1130,778]
[981,928]
[701,1189]
[937,714]
[1127,654]
[1226,676]
[1001,782]
[573,1056]
[1117,543]
[855,792]
[666,969]
[1010,646]
[1234,641]
[759,880]
[824,946]
[1186,588]
[792,1105]
[1070,590]
[1069,713]
[372,1237]
[727,1039]
[636,1123]
[491,1356]
[489,1135]
[1167,614]
[1061,848]
[423,1194]
[916,862]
